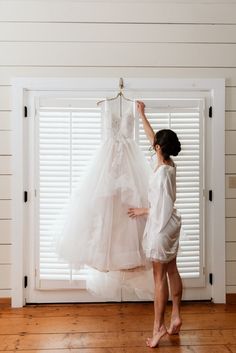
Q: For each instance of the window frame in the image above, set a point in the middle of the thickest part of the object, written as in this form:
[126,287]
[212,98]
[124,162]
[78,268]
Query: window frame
[216,87]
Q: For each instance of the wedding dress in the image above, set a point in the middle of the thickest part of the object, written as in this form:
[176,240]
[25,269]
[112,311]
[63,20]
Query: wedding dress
[97,231]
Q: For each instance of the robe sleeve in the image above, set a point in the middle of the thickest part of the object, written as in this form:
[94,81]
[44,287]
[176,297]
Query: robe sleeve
[163,204]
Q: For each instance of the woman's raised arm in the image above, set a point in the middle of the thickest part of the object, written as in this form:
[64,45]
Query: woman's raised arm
[146,125]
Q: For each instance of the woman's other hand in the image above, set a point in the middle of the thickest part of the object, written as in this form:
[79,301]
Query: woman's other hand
[141,108]
[147,127]
[136,212]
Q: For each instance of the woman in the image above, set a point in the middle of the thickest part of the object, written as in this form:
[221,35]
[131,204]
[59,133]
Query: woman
[161,235]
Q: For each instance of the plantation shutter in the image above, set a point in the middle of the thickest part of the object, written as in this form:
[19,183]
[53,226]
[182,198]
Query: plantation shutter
[185,117]
[68,131]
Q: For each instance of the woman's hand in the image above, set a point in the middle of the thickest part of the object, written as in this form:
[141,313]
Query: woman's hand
[146,125]
[141,108]
[135,212]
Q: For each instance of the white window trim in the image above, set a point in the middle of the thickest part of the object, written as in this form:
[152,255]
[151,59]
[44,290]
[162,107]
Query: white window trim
[217,89]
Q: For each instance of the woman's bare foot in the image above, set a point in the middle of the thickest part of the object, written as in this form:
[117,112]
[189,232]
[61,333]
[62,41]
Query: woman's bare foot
[153,341]
[174,326]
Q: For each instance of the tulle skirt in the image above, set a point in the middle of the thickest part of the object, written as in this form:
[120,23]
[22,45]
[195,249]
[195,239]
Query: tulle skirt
[94,228]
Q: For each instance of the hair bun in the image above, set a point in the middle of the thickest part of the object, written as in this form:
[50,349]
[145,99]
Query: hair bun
[169,143]
[176,148]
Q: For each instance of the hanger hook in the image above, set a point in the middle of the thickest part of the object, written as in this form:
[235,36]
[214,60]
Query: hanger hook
[121,83]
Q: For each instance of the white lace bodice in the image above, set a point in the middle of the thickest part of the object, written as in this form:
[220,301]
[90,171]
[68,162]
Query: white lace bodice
[117,119]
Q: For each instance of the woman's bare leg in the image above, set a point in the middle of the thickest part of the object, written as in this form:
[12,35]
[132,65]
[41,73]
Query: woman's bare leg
[176,289]
[160,300]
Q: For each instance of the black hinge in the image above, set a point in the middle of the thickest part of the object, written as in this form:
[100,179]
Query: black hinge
[211,278]
[210,195]
[25,112]
[25,281]
[25,196]
[210,112]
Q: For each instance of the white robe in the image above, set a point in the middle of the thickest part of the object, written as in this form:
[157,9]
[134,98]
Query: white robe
[162,231]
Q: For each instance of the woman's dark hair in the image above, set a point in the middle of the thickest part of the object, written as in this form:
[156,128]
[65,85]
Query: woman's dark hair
[168,142]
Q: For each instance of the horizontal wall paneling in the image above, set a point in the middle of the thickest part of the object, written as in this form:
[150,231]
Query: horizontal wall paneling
[5,121]
[5,231]
[5,209]
[230,186]
[5,254]
[231,252]
[125,32]
[5,142]
[230,120]
[230,207]
[73,11]
[230,230]
[230,98]
[5,276]
[230,273]
[5,164]
[5,187]
[119,54]
[230,142]
[5,94]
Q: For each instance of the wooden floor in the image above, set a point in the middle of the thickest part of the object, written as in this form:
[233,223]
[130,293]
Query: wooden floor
[114,328]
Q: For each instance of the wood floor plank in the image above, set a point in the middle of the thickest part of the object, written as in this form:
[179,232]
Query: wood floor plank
[82,350]
[108,309]
[114,340]
[61,325]
[187,349]
[205,349]
[111,323]
[181,349]
[232,348]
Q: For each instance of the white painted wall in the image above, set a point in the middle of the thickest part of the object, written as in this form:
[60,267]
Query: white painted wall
[183,39]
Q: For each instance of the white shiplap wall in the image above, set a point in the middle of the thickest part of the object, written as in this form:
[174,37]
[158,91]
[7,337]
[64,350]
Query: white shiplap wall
[185,39]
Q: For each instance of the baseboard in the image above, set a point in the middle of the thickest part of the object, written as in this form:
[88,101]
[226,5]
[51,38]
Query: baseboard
[231,298]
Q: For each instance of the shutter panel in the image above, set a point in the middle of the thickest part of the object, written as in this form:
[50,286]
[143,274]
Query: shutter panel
[67,138]
[186,123]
